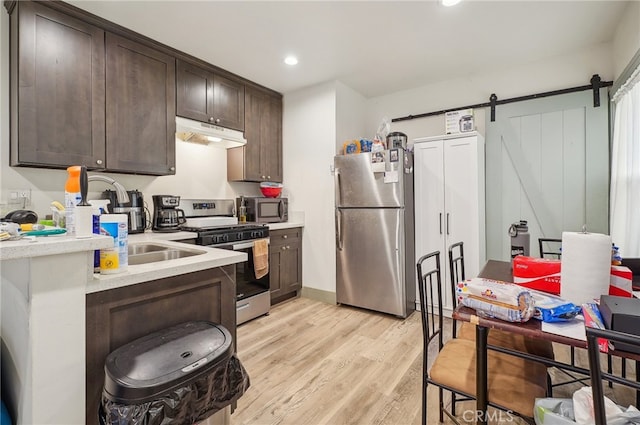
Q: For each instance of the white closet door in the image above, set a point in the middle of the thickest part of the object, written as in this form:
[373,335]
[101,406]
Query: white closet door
[429,201]
[461,200]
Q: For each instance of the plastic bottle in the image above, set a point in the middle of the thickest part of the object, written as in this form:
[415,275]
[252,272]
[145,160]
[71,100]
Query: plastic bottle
[71,198]
[114,259]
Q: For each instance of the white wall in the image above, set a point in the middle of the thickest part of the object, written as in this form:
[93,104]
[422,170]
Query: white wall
[309,132]
[557,73]
[627,39]
[350,116]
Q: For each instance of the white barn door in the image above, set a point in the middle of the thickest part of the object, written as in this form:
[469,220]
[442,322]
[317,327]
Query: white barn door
[547,162]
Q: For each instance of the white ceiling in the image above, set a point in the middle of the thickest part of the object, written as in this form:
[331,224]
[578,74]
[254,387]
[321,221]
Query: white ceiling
[374,47]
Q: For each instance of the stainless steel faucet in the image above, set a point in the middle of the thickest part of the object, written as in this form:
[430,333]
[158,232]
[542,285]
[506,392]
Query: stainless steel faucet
[121,192]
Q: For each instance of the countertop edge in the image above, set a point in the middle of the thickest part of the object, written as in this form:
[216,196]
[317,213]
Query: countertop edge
[51,245]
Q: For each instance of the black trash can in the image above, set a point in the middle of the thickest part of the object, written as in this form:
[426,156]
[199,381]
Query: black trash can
[183,375]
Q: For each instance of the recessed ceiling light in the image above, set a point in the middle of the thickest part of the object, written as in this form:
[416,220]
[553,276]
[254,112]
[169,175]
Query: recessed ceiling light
[291,60]
[449,2]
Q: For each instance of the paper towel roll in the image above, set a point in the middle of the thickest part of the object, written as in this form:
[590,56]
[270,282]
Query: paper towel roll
[586,266]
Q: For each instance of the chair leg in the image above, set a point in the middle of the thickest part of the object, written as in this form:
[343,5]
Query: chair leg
[441,398]
[424,398]
[610,368]
[453,403]
[573,356]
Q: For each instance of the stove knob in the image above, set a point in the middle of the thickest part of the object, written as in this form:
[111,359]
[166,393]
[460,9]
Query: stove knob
[225,238]
[239,236]
[254,235]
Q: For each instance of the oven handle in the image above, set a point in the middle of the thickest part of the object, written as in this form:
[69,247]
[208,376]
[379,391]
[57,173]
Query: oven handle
[238,246]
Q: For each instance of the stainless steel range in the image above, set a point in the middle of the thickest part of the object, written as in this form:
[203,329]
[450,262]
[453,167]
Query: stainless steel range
[215,222]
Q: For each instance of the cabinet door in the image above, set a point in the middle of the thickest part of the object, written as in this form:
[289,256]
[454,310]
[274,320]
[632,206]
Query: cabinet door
[285,261]
[263,131]
[430,215]
[194,92]
[228,103]
[58,93]
[462,199]
[118,316]
[141,108]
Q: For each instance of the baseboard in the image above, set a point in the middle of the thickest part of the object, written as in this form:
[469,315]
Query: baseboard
[319,295]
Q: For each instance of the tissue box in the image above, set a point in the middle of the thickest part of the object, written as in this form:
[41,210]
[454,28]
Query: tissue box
[623,315]
[542,274]
[621,281]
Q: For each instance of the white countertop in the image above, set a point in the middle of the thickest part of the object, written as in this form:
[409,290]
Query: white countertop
[210,258]
[161,236]
[296,219]
[38,246]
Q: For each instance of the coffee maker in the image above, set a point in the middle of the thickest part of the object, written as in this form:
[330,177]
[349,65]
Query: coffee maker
[166,216]
[134,209]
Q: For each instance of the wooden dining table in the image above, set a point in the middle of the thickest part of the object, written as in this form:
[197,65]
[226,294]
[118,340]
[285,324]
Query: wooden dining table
[501,270]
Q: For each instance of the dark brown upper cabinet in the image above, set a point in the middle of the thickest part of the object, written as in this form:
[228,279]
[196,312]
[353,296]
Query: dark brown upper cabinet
[76,102]
[140,110]
[57,89]
[205,96]
[261,158]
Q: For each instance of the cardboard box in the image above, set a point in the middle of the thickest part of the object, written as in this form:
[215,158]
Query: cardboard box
[459,121]
[621,281]
[621,314]
[541,274]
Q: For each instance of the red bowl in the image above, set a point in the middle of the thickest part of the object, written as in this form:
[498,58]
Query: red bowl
[270,191]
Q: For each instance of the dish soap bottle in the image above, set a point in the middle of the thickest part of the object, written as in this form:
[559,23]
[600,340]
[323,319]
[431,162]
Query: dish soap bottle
[243,211]
[71,198]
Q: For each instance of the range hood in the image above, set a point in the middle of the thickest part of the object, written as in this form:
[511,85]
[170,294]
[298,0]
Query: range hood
[208,134]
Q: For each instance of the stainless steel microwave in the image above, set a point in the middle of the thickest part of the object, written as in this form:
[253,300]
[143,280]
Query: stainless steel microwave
[266,210]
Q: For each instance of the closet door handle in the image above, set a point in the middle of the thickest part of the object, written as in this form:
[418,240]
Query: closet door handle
[447,223]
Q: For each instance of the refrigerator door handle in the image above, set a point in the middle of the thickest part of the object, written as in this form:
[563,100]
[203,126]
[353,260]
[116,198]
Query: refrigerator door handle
[440,222]
[336,179]
[339,229]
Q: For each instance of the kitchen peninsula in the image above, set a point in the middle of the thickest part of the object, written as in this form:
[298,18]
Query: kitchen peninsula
[47,285]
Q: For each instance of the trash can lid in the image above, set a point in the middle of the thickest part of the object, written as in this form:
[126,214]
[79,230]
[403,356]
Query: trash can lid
[170,358]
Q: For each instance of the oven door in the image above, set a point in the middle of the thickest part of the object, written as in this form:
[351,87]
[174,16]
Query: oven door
[253,298]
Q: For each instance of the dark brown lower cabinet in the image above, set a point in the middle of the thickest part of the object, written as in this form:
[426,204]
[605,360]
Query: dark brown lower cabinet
[118,316]
[285,263]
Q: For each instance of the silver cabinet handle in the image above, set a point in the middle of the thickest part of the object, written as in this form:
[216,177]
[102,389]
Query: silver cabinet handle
[211,119]
[284,236]
[99,162]
[172,168]
[217,120]
[440,222]
[283,248]
[243,306]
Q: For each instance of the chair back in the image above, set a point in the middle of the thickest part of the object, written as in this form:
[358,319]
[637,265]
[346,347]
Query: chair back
[550,248]
[429,282]
[594,366]
[456,273]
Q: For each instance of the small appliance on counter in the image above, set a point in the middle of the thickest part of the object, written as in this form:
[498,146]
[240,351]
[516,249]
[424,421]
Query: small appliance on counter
[134,209]
[167,217]
[265,210]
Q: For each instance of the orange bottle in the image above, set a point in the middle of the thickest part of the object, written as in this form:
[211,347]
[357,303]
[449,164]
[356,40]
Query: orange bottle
[71,197]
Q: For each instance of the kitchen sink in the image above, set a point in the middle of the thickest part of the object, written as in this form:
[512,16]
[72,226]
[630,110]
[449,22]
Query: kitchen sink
[143,248]
[150,253]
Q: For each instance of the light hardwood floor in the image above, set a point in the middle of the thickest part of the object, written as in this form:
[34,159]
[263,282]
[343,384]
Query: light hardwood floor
[315,363]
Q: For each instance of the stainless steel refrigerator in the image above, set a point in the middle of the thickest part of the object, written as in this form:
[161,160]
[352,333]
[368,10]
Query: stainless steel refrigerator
[374,225]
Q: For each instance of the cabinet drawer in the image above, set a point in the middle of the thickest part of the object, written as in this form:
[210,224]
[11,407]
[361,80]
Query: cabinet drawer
[285,236]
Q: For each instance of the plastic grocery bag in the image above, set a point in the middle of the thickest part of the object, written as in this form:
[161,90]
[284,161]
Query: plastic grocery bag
[583,409]
[553,411]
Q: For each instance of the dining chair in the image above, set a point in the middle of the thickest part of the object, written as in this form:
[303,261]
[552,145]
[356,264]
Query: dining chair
[513,383]
[550,248]
[595,370]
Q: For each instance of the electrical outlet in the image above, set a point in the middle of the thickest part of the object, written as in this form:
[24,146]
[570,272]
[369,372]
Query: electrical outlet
[21,195]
